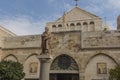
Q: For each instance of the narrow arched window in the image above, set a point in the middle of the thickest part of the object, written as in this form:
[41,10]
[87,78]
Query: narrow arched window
[85,23]
[78,24]
[85,26]
[91,22]
[92,26]
[59,25]
[72,24]
[53,26]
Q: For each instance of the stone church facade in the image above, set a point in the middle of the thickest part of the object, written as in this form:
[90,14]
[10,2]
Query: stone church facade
[80,48]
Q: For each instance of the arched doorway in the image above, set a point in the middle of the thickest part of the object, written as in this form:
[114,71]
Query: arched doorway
[64,67]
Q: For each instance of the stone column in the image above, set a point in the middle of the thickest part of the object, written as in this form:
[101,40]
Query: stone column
[82,74]
[45,66]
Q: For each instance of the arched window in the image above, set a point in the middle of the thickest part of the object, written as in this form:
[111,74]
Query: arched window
[91,22]
[85,26]
[11,57]
[59,25]
[92,26]
[64,62]
[85,23]
[53,26]
[72,24]
[78,24]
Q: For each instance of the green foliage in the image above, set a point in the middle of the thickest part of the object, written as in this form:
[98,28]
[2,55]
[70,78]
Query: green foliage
[10,70]
[115,73]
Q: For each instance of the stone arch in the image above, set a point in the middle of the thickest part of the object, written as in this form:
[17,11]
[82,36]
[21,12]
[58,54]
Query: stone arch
[78,24]
[94,65]
[92,26]
[92,22]
[34,54]
[64,67]
[32,66]
[72,24]
[85,26]
[53,26]
[11,57]
[60,25]
[64,57]
[85,23]
[98,55]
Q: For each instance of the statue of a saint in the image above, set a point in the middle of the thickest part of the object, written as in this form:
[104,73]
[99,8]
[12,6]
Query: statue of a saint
[118,23]
[45,45]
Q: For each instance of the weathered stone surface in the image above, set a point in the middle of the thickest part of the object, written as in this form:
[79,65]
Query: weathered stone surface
[31,41]
[86,45]
[104,39]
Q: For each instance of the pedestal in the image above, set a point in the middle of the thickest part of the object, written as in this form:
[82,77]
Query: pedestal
[44,66]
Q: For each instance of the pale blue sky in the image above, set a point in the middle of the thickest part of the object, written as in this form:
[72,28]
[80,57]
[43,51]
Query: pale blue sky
[26,17]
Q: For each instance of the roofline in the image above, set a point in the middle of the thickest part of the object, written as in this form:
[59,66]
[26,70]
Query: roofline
[82,10]
[7,31]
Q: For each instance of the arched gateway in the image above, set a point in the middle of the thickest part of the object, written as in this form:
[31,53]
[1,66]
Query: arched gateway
[64,67]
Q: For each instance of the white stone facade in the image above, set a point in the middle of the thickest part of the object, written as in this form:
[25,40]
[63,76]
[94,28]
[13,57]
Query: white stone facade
[91,52]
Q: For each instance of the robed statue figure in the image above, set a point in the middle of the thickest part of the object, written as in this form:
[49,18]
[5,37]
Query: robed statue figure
[45,45]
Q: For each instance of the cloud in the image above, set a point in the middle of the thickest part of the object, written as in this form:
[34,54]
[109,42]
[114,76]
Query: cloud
[67,6]
[23,25]
[114,4]
[26,25]
[94,9]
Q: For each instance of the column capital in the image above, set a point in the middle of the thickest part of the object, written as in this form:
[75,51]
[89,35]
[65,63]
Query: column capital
[45,57]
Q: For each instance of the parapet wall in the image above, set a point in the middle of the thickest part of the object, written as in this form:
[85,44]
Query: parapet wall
[30,41]
[85,40]
[104,39]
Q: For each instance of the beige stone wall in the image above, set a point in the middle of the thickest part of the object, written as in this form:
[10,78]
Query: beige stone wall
[87,61]
[26,56]
[25,49]
[32,67]
[101,39]
[31,41]
[4,34]
[91,71]
[11,58]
